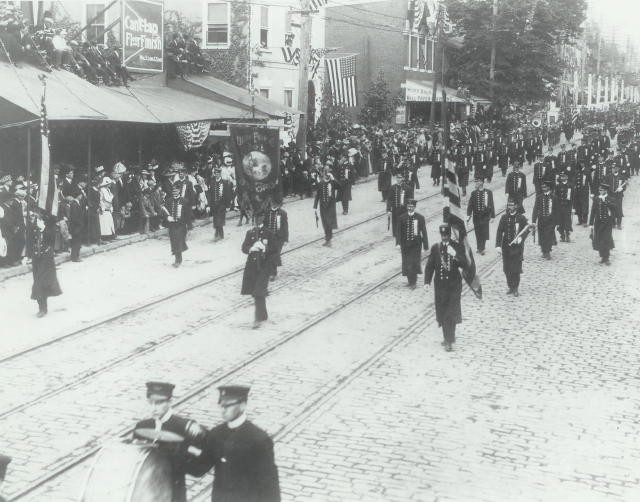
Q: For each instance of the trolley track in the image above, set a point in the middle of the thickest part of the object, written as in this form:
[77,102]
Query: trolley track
[166,298]
[138,349]
[89,449]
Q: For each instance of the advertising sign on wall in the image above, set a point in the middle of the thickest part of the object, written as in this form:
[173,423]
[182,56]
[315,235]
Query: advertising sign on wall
[142,35]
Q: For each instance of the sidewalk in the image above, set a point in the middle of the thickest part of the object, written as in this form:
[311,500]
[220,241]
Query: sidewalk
[126,240]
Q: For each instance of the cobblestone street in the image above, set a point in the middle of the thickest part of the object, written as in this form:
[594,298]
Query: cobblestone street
[538,401]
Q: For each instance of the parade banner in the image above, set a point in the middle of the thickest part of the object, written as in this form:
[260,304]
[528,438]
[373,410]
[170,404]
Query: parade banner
[256,153]
[143,35]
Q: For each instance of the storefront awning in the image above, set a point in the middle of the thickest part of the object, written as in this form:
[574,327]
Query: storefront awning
[214,88]
[422,90]
[69,97]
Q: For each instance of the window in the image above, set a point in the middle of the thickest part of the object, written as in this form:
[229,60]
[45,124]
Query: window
[95,27]
[421,52]
[264,93]
[288,97]
[218,23]
[264,26]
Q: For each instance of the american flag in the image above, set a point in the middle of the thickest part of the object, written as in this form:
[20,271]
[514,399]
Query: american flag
[316,4]
[454,215]
[48,198]
[342,77]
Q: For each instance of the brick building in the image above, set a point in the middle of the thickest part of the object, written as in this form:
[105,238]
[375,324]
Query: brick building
[395,38]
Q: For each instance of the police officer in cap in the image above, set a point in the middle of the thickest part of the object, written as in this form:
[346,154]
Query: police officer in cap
[240,453]
[481,208]
[412,237]
[442,266]
[180,446]
[602,219]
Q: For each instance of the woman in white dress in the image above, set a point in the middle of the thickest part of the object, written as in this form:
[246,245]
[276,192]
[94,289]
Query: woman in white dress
[107,228]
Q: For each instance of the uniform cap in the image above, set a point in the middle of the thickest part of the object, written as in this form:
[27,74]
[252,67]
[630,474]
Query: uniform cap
[235,392]
[412,202]
[604,185]
[160,389]
[444,229]
[98,169]
[511,201]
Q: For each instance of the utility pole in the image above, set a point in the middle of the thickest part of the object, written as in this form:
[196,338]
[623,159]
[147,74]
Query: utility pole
[303,75]
[492,66]
[438,40]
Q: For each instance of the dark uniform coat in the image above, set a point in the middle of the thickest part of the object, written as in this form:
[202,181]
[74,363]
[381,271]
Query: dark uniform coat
[565,194]
[346,176]
[396,203]
[481,207]
[177,204]
[512,254]
[45,279]
[177,453]
[582,195]
[447,280]
[412,237]
[603,213]
[245,469]
[277,222]
[545,216]
[219,196]
[384,178]
[326,197]
[259,265]
[516,188]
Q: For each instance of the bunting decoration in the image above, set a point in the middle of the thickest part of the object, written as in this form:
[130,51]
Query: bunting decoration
[193,134]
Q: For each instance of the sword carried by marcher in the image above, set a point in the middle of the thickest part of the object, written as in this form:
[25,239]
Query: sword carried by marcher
[525,229]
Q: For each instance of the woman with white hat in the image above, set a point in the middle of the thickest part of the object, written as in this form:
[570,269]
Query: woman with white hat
[107,227]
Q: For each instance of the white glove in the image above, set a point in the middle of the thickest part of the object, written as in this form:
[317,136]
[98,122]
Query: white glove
[499,250]
[170,219]
[619,189]
[451,252]
[518,240]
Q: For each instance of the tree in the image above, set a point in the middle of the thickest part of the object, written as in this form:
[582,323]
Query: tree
[527,36]
[334,119]
[379,105]
[176,22]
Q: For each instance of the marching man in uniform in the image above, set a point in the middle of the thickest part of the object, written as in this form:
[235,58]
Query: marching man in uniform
[442,266]
[512,231]
[277,221]
[179,453]
[240,453]
[618,184]
[583,194]
[220,195]
[516,185]
[544,216]
[396,203]
[481,208]
[412,237]
[177,209]
[326,198]
[564,196]
[603,213]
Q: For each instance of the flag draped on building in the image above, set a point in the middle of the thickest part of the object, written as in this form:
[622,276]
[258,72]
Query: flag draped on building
[454,214]
[48,198]
[193,134]
[342,78]
[316,4]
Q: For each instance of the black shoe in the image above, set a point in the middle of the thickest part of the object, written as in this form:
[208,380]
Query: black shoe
[448,347]
[568,238]
[515,293]
[510,292]
[41,313]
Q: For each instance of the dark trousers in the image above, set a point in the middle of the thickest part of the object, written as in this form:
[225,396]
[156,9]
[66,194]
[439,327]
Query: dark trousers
[76,242]
[513,280]
[604,253]
[412,278]
[42,304]
[481,230]
[178,256]
[219,232]
[345,206]
[449,331]
[261,308]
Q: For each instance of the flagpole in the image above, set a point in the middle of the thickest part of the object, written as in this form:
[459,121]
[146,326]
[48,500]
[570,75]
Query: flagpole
[28,184]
